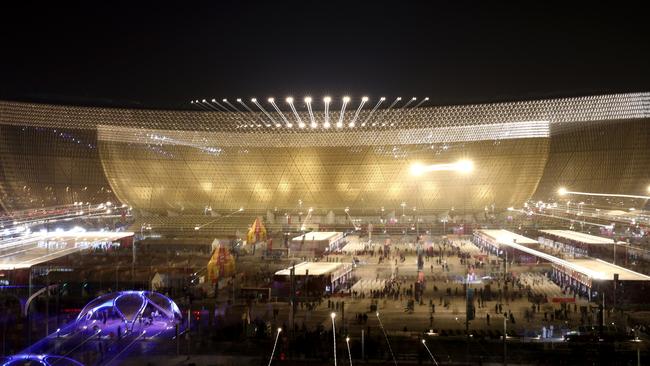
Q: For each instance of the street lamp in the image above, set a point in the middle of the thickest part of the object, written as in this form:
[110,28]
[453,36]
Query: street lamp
[274,345]
[424,343]
[347,342]
[333,316]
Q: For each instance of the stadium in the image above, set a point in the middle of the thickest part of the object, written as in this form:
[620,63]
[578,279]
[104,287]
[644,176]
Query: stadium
[286,158]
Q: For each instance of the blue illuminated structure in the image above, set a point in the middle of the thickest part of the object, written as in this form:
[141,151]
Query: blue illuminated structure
[107,327]
[131,307]
[39,360]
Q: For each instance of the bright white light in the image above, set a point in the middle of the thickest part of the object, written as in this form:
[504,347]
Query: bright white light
[347,339]
[253,100]
[203,100]
[197,227]
[346,99]
[307,99]
[279,330]
[289,100]
[417,169]
[333,315]
[465,166]
[271,100]
[462,166]
[364,99]
[382,98]
[562,191]
[326,125]
[327,99]
[423,341]
[239,100]
[224,100]
[301,125]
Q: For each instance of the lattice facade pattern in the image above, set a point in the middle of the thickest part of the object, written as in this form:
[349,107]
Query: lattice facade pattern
[184,161]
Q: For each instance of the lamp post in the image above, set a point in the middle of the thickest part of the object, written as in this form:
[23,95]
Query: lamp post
[347,342]
[333,316]
[505,332]
[424,343]
[274,345]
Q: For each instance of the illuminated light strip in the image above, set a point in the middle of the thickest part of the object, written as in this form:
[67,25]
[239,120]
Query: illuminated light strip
[200,105]
[174,142]
[275,106]
[561,218]
[409,103]
[424,342]
[356,114]
[210,106]
[563,192]
[410,136]
[311,113]
[346,100]
[387,110]
[220,105]
[242,116]
[254,100]
[252,113]
[459,166]
[230,105]
[420,103]
[274,345]
[327,101]
[390,348]
[381,100]
[289,100]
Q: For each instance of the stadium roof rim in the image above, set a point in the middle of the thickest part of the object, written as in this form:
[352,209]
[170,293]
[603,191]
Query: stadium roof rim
[558,111]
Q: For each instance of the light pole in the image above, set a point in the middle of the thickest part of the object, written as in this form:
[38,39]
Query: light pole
[347,342]
[333,316]
[274,345]
[505,332]
[381,325]
[424,343]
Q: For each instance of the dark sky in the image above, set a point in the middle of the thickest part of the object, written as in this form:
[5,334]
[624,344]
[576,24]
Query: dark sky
[150,55]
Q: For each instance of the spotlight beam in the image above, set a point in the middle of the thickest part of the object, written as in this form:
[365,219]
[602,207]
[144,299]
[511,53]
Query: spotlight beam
[387,110]
[201,106]
[265,112]
[274,345]
[381,325]
[251,111]
[333,315]
[210,106]
[220,105]
[424,342]
[379,102]
[230,105]
[563,192]
[311,113]
[409,102]
[356,114]
[275,106]
[301,124]
[420,102]
[346,100]
[327,101]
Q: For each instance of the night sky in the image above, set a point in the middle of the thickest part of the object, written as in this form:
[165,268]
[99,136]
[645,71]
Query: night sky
[150,55]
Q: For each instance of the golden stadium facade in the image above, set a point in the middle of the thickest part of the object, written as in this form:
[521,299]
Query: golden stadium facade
[180,162]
